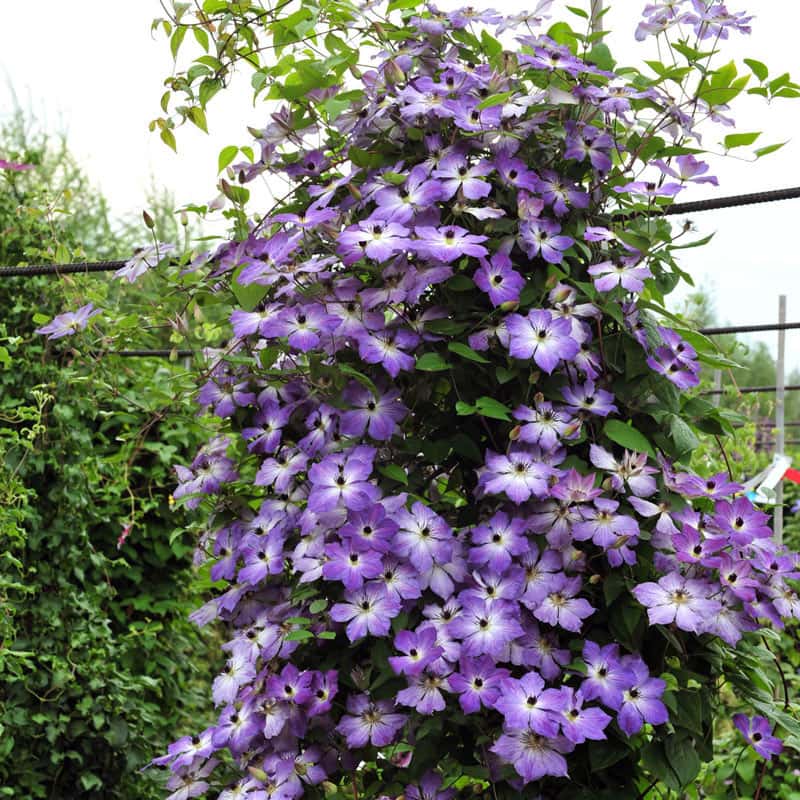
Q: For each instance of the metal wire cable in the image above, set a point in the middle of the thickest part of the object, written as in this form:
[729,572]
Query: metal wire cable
[713,203]
[61,269]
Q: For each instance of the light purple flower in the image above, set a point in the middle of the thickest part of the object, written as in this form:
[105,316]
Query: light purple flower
[145,258]
[542,337]
[561,607]
[496,278]
[625,273]
[518,475]
[69,322]
[677,599]
[541,237]
[533,756]
[525,703]
[370,722]
[448,244]
[641,700]
[757,733]
[369,610]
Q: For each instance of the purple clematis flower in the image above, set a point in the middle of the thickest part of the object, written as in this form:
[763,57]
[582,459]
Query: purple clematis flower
[519,475]
[541,237]
[448,244]
[485,628]
[603,525]
[526,704]
[420,650]
[757,733]
[477,683]
[544,424]
[677,599]
[378,416]
[579,723]
[422,536]
[424,693]
[608,275]
[632,470]
[430,788]
[69,322]
[339,481]
[496,278]
[350,565]
[542,337]
[455,173]
[641,701]
[369,610]
[587,397]
[497,541]
[374,238]
[561,607]
[144,259]
[533,756]
[370,722]
[606,678]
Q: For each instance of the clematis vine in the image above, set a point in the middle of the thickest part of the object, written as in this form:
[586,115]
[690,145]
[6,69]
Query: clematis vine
[448,500]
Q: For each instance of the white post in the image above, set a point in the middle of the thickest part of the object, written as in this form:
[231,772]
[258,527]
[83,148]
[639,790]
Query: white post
[780,419]
[715,398]
[595,15]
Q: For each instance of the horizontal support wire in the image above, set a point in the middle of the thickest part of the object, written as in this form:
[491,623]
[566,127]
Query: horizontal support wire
[752,390]
[61,269]
[774,326]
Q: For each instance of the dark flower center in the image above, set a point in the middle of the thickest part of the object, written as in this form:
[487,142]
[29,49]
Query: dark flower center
[497,280]
[574,713]
[450,234]
[462,171]
[738,522]
[354,558]
[512,173]
[602,672]
[483,623]
[340,481]
[634,693]
[320,694]
[697,550]
[478,683]
[413,652]
[732,577]
[371,405]
[497,538]
[757,737]
[288,689]
[425,533]
[366,530]
[531,701]
[365,606]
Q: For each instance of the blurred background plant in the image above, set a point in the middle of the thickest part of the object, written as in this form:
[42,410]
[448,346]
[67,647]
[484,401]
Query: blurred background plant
[99,665]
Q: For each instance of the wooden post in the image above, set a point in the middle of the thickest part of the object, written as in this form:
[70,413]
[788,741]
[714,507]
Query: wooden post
[780,417]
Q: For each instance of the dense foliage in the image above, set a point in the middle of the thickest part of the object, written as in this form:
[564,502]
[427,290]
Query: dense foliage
[449,499]
[97,661]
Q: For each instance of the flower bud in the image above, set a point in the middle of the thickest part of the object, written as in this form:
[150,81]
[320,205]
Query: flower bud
[258,774]
[392,73]
[514,433]
[148,220]
[509,305]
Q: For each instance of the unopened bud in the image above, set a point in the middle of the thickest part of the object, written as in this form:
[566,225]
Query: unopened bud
[184,219]
[392,73]
[595,579]
[258,774]
[509,305]
[551,281]
[538,398]
[514,433]
[148,220]
[355,191]
[606,485]
[533,378]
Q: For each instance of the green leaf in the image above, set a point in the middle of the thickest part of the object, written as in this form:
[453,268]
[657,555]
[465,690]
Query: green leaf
[758,68]
[299,636]
[168,137]
[682,434]
[740,139]
[467,352]
[464,409]
[770,148]
[248,296]
[318,606]
[394,472]
[226,156]
[628,437]
[494,100]
[431,362]
[326,635]
[489,407]
[176,40]
[578,12]
[600,54]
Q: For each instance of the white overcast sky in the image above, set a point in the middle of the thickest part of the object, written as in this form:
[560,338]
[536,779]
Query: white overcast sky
[94,70]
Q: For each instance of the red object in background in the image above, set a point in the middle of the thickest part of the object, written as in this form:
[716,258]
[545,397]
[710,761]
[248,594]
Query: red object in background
[792,475]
